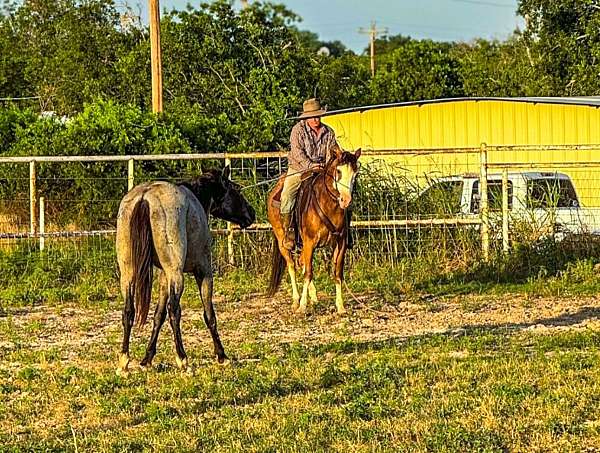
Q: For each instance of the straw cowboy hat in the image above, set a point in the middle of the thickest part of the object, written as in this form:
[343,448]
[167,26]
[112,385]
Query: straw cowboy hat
[311,108]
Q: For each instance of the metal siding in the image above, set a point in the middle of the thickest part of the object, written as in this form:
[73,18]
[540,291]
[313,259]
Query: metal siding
[465,123]
[468,123]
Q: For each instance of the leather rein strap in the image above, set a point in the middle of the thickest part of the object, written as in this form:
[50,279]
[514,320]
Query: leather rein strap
[311,195]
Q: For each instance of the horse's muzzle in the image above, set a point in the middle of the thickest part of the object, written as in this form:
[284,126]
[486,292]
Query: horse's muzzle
[249,218]
[344,201]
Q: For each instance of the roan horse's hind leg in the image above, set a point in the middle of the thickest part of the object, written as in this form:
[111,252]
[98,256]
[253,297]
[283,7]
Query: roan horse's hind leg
[159,318]
[204,280]
[175,285]
[127,318]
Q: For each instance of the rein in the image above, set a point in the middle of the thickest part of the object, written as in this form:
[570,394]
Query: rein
[322,215]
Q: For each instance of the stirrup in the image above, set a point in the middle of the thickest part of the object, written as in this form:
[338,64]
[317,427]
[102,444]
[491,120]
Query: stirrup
[289,240]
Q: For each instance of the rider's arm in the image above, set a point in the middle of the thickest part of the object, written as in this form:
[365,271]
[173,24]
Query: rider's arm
[332,145]
[297,156]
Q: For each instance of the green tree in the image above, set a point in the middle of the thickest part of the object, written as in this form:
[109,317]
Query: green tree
[492,68]
[66,51]
[562,41]
[416,70]
[249,66]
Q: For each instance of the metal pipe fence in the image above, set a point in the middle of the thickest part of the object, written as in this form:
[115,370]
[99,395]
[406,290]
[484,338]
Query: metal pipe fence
[393,216]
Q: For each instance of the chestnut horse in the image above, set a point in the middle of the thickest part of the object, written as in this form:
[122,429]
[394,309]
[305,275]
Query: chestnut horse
[165,226]
[321,220]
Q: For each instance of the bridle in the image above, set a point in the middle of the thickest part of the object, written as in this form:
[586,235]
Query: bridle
[333,195]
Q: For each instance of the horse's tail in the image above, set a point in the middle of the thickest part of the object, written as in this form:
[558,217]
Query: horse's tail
[141,260]
[277,266]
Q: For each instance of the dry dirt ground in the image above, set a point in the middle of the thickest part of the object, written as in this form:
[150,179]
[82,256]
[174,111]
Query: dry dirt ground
[271,321]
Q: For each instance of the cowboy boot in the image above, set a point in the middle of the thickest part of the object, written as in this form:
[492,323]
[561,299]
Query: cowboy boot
[288,231]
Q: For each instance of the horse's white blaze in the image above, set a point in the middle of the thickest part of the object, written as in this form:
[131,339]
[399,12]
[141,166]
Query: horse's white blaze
[344,184]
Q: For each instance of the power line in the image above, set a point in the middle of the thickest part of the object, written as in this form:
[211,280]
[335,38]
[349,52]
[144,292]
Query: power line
[481,2]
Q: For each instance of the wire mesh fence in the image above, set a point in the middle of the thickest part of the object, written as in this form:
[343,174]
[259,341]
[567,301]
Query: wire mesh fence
[407,203]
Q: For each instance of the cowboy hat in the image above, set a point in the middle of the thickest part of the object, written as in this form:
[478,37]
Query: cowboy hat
[311,108]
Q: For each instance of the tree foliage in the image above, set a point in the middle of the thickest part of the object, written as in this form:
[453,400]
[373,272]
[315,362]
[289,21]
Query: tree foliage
[562,40]
[233,79]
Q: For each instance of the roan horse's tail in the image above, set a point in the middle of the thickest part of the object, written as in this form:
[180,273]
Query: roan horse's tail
[141,259]
[277,266]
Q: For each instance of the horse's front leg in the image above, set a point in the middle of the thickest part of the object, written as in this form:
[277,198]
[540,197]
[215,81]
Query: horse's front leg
[308,250]
[204,280]
[159,318]
[291,268]
[338,273]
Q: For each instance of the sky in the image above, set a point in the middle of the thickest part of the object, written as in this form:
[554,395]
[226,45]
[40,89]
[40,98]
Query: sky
[440,20]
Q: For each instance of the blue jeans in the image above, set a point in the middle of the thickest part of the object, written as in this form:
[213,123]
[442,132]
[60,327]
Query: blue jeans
[290,190]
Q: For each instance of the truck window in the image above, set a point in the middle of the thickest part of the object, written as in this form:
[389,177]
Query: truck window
[551,193]
[494,196]
[443,197]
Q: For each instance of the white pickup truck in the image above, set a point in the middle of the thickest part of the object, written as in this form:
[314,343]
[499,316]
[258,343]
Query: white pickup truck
[547,202]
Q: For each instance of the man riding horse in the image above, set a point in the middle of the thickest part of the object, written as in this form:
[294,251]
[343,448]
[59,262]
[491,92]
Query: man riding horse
[311,145]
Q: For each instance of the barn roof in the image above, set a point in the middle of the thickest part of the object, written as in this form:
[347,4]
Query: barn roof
[592,101]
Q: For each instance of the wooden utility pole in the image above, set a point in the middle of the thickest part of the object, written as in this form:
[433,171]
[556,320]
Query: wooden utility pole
[372,32]
[155,58]
[244,3]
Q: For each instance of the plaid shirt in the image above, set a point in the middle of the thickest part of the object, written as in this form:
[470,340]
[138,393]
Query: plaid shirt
[308,148]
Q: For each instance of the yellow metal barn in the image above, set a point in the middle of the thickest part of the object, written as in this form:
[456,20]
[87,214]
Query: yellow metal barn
[536,127]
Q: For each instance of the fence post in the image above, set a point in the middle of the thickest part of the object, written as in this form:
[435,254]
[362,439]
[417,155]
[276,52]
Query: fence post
[32,198]
[505,211]
[230,254]
[484,208]
[42,223]
[130,174]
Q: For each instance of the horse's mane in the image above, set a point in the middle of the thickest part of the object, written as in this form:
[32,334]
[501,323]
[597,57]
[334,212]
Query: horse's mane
[203,186]
[344,158]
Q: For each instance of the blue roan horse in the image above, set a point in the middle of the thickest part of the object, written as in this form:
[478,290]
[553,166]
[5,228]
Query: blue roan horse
[165,226]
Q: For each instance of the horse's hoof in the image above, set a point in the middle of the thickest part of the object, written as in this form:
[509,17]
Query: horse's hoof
[342,312]
[182,364]
[223,360]
[295,306]
[122,372]
[145,364]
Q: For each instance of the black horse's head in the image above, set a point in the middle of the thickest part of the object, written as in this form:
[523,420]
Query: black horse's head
[229,203]
[221,197]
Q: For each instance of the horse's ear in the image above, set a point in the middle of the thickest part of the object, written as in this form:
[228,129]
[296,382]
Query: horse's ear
[226,172]
[358,153]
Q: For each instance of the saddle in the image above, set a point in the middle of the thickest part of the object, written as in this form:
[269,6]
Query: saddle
[302,198]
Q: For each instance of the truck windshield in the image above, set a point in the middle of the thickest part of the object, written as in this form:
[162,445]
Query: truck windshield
[443,197]
[494,195]
[551,193]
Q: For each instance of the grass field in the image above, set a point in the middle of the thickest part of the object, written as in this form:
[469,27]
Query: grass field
[494,357]
[423,373]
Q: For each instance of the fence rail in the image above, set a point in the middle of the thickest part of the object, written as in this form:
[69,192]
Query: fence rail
[481,162]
